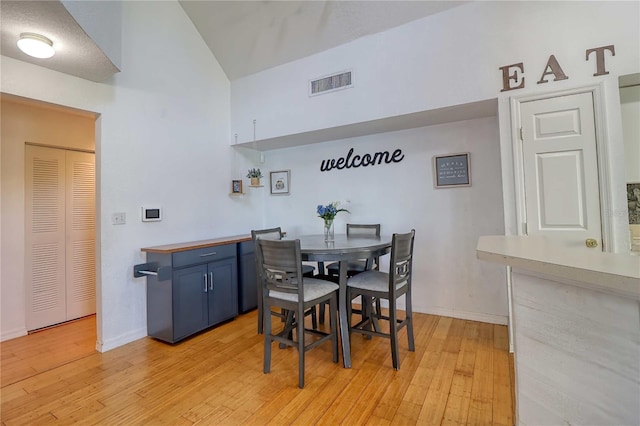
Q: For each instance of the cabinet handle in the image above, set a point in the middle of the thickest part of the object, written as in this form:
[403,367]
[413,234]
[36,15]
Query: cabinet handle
[205,283]
[211,281]
[213,253]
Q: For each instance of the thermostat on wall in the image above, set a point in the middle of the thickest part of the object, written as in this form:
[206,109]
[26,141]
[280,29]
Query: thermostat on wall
[151,214]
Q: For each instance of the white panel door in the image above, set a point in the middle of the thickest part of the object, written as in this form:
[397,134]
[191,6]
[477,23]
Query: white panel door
[45,236]
[560,167]
[80,235]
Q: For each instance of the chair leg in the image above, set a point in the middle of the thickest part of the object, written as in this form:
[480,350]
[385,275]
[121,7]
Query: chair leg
[321,309]
[300,348]
[367,313]
[349,308]
[393,331]
[260,309]
[409,312]
[314,319]
[333,324]
[289,319]
[267,339]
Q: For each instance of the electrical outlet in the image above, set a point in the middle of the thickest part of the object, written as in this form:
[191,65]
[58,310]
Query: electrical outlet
[119,218]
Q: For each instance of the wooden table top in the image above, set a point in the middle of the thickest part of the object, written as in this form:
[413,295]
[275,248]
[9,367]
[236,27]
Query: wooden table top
[177,247]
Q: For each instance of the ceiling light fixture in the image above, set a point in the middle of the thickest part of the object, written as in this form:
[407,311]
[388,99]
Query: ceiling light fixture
[36,45]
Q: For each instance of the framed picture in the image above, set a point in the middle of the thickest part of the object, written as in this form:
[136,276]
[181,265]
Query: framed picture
[236,186]
[633,202]
[451,170]
[280,181]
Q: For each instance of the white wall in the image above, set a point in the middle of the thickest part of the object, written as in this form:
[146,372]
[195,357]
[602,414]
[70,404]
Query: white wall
[162,139]
[446,59]
[448,279]
[454,58]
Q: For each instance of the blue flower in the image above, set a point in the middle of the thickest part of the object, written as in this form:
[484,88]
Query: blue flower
[329,211]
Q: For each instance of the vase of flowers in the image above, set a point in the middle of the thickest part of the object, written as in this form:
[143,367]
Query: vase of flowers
[328,213]
[255,175]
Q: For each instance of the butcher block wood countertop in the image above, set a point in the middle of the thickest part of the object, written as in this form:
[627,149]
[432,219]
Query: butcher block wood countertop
[173,248]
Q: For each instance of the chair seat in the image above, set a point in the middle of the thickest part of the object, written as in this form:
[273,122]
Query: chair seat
[373,281]
[313,289]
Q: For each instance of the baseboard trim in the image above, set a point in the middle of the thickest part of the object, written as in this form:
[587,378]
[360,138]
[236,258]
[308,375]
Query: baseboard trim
[12,334]
[121,340]
[454,313]
[472,316]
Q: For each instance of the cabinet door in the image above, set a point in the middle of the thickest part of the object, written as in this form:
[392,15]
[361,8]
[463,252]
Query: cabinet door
[189,301]
[223,291]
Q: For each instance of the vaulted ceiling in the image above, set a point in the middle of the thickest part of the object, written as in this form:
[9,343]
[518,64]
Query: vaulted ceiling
[244,36]
[250,36]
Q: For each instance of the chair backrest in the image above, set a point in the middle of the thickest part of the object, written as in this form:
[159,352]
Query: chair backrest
[280,265]
[355,229]
[401,261]
[365,230]
[270,233]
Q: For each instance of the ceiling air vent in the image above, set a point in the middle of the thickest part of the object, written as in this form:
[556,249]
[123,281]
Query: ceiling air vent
[330,83]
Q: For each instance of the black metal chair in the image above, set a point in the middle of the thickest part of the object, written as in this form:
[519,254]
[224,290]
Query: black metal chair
[307,270]
[284,286]
[389,286]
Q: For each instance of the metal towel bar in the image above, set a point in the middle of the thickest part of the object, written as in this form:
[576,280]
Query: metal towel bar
[152,269]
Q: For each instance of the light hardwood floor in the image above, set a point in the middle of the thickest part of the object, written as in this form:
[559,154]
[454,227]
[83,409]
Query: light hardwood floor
[460,373]
[46,349]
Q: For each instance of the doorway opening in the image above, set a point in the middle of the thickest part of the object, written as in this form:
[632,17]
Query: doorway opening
[30,123]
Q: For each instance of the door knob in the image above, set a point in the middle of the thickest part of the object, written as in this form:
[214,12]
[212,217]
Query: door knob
[591,243]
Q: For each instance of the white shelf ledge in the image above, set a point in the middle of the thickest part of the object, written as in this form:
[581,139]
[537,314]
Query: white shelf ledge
[450,114]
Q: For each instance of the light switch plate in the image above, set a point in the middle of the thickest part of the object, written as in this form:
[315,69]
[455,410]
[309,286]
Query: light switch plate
[119,218]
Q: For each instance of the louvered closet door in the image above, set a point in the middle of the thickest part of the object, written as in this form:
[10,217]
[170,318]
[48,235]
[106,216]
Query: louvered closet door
[45,236]
[80,235]
[60,235]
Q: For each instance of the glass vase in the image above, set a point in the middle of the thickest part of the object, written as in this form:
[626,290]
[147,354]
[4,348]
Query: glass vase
[328,229]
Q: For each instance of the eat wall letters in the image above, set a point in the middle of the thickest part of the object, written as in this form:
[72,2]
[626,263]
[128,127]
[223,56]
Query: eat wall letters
[513,75]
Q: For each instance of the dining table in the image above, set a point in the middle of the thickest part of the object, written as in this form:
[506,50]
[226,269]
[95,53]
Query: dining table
[342,249]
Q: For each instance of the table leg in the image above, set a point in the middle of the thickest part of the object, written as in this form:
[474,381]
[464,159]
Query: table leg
[343,299]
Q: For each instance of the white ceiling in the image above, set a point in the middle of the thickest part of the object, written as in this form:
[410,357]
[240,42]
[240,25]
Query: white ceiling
[244,36]
[251,36]
[76,54]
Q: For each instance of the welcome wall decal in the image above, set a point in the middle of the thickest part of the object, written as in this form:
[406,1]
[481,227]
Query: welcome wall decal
[511,80]
[354,161]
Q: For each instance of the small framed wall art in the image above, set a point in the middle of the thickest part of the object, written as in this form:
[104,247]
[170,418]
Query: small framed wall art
[236,186]
[280,181]
[451,170]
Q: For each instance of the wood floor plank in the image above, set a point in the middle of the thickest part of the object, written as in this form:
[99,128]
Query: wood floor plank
[461,372]
[41,351]
[482,395]
[457,408]
[397,387]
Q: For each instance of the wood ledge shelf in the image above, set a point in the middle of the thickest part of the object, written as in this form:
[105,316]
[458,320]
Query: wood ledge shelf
[178,247]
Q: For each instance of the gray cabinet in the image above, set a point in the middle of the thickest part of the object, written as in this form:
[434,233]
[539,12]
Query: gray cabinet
[202,291]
